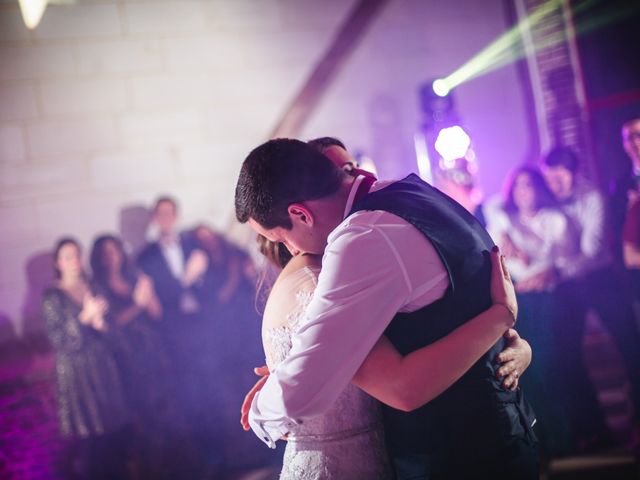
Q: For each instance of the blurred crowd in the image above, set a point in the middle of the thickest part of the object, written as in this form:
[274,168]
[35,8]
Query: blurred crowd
[153,353]
[570,253]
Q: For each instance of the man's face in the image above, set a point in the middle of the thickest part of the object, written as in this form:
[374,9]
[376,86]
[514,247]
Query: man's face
[559,180]
[165,217]
[300,239]
[631,141]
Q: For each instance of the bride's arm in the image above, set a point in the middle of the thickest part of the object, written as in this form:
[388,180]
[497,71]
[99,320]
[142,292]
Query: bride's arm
[409,382]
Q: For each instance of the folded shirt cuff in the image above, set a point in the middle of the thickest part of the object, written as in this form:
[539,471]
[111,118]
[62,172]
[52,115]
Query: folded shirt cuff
[269,434]
[269,431]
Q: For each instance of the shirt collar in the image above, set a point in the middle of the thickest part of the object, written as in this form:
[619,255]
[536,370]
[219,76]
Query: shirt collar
[352,195]
[169,241]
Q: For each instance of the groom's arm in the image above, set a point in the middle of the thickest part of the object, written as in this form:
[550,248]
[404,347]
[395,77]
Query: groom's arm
[368,275]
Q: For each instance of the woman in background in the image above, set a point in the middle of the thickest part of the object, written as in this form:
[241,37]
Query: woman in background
[134,310]
[536,239]
[131,295]
[91,401]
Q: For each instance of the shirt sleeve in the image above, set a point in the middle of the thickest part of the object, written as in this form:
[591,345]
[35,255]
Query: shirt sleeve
[592,242]
[497,223]
[364,282]
[563,243]
[593,227]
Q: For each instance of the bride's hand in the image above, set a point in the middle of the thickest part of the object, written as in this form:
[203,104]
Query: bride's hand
[248,399]
[502,290]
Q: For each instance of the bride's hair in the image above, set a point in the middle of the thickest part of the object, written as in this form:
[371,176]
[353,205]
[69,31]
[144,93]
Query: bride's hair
[277,257]
[275,252]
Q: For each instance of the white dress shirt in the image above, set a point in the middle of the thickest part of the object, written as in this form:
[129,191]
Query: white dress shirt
[173,254]
[374,266]
[545,238]
[587,212]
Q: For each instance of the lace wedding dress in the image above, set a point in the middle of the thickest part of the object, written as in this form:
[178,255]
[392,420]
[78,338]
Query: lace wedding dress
[345,443]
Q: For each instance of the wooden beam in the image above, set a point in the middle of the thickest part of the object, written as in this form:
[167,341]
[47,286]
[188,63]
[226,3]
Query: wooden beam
[327,68]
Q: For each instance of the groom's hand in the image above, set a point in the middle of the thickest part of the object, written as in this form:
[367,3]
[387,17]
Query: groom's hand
[248,399]
[513,360]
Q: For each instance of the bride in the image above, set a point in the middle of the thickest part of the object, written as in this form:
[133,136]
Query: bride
[347,442]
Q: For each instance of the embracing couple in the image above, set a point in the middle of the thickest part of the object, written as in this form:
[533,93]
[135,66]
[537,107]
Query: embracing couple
[388,288]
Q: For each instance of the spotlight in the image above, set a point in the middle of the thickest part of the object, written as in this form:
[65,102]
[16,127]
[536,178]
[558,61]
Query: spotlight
[452,143]
[440,87]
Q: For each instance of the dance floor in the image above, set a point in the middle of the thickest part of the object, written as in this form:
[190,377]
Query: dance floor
[31,449]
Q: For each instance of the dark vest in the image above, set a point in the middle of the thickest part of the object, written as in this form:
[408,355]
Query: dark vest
[473,410]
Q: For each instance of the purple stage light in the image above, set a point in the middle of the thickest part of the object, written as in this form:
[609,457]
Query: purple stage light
[452,143]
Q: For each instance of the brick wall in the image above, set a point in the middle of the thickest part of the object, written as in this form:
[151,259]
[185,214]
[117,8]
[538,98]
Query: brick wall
[109,103]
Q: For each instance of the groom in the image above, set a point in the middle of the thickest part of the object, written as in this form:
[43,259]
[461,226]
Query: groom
[400,259]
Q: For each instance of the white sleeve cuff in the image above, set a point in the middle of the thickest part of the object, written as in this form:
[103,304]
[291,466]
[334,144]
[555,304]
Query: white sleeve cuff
[267,431]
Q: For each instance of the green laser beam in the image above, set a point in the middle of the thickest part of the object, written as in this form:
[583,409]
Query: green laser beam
[508,47]
[497,48]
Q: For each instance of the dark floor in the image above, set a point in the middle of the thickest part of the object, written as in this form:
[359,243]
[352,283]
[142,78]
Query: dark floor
[30,447]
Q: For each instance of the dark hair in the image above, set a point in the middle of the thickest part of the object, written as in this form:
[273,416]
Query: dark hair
[98,267]
[562,157]
[629,122]
[281,172]
[275,252]
[543,196]
[56,251]
[167,199]
[321,143]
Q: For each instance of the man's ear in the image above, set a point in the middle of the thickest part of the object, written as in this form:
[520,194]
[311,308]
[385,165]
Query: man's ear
[301,214]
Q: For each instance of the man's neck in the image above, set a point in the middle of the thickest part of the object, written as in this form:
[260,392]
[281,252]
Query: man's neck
[347,195]
[329,211]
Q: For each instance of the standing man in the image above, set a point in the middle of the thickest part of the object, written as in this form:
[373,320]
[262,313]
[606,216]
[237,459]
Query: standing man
[177,269]
[174,264]
[401,259]
[589,280]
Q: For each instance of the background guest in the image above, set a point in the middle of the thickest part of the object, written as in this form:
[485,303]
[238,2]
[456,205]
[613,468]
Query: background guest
[133,309]
[225,271]
[631,230]
[177,268]
[173,263]
[589,281]
[227,296]
[536,239]
[91,401]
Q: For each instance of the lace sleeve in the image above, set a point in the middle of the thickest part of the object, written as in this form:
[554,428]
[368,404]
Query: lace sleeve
[284,312]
